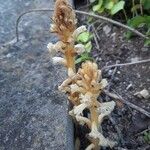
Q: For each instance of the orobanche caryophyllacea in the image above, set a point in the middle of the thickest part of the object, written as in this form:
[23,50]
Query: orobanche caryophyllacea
[83,85]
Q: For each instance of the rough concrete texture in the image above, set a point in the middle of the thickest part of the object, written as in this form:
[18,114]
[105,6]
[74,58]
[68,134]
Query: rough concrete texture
[33,113]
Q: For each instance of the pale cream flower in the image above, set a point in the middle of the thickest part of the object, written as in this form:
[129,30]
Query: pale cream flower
[97,135]
[103,83]
[83,120]
[52,27]
[78,31]
[79,48]
[58,60]
[74,88]
[70,72]
[90,147]
[86,98]
[105,109]
[77,110]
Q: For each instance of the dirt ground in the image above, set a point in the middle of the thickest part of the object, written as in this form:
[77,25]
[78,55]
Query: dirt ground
[127,80]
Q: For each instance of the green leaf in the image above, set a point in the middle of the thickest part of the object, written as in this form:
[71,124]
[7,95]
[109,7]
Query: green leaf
[109,4]
[83,57]
[78,60]
[128,34]
[117,7]
[147,42]
[98,6]
[147,137]
[146,4]
[148,32]
[88,46]
[83,37]
[101,10]
[136,22]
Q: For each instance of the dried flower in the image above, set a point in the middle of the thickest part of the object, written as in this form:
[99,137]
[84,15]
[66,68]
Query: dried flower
[64,20]
[79,48]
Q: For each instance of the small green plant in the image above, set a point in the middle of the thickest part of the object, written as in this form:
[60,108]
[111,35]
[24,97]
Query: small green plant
[140,19]
[85,39]
[138,13]
[110,6]
[146,137]
[140,22]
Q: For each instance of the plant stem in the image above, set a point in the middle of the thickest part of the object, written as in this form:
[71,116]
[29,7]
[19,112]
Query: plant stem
[94,120]
[125,14]
[135,9]
[141,8]
[70,57]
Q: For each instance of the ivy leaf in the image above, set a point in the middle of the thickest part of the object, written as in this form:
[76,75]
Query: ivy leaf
[117,7]
[88,46]
[98,6]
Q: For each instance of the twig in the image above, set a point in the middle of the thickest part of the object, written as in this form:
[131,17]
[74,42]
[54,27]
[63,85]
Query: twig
[95,38]
[113,22]
[27,12]
[147,147]
[95,32]
[148,129]
[118,97]
[100,26]
[126,64]
[84,13]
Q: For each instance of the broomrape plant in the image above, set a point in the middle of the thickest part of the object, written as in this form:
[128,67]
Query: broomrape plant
[83,86]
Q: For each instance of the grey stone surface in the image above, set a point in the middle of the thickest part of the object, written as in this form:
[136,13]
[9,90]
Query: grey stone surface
[11,9]
[33,113]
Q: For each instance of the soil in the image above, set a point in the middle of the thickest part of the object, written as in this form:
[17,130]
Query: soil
[114,47]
